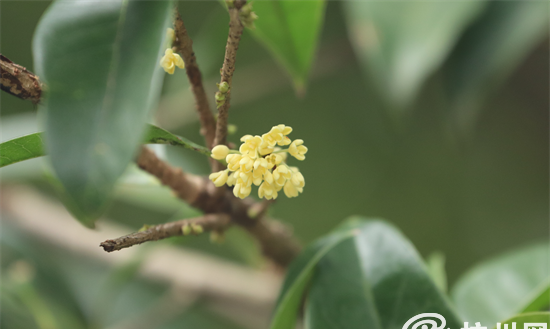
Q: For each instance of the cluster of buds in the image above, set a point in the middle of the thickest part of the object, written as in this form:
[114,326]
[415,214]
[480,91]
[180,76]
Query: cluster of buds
[247,16]
[261,161]
[223,88]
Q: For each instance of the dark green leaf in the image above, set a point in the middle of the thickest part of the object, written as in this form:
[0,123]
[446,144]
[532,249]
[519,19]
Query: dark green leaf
[376,280]
[290,30]
[22,148]
[100,61]
[297,278]
[401,43]
[31,146]
[507,285]
[491,49]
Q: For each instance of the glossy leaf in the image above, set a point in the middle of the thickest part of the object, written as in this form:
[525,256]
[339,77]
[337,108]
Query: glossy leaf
[290,30]
[31,146]
[100,61]
[22,148]
[297,278]
[376,280]
[491,49]
[401,43]
[507,285]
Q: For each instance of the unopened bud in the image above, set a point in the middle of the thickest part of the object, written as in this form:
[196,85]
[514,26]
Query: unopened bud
[197,229]
[223,87]
[185,229]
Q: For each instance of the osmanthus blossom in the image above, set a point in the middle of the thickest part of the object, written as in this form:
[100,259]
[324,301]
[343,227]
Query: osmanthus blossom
[260,161]
[170,60]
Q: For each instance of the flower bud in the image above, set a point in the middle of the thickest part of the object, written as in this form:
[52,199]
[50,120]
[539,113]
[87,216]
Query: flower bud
[223,87]
[219,152]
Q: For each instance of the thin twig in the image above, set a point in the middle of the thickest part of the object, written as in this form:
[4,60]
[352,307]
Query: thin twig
[233,39]
[207,223]
[184,46]
[275,239]
[18,81]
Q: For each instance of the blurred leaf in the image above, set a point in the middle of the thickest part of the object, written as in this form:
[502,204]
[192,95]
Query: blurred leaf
[491,49]
[540,299]
[533,317]
[507,285]
[290,30]
[298,275]
[400,44]
[376,280]
[436,269]
[100,63]
[20,149]
[31,146]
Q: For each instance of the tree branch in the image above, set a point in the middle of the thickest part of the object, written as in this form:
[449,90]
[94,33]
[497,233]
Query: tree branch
[184,46]
[233,39]
[275,239]
[19,82]
[214,222]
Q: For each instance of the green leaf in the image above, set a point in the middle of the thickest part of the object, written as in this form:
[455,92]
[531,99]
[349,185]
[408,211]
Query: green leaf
[156,135]
[507,285]
[100,61]
[297,278]
[377,280]
[290,31]
[532,317]
[491,49]
[539,300]
[22,148]
[401,43]
[31,146]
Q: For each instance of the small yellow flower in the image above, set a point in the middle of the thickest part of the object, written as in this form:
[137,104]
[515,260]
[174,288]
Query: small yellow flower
[277,135]
[280,175]
[260,168]
[241,191]
[264,148]
[219,152]
[232,179]
[250,146]
[233,161]
[245,178]
[170,60]
[219,178]
[246,164]
[292,190]
[273,160]
[267,191]
[297,150]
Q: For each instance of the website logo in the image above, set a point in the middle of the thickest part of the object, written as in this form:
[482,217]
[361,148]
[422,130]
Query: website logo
[428,321]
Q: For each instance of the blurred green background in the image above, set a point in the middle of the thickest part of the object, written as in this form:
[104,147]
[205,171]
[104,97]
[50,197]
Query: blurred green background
[433,116]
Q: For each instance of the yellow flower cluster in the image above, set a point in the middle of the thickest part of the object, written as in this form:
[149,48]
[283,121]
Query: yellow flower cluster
[261,161]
